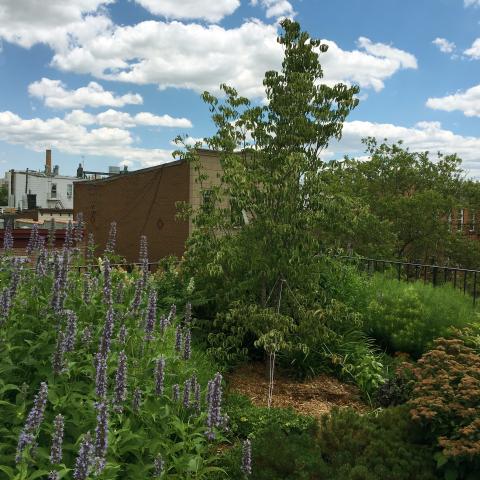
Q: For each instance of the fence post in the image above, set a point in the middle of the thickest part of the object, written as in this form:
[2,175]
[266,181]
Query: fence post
[434,275]
[399,267]
[465,281]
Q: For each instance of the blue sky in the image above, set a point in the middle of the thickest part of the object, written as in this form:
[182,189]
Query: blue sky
[107,82]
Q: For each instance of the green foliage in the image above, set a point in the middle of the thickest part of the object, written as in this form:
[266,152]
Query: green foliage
[411,196]
[407,317]
[246,420]
[280,455]
[374,446]
[28,339]
[445,401]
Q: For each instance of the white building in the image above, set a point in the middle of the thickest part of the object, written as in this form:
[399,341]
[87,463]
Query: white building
[29,189]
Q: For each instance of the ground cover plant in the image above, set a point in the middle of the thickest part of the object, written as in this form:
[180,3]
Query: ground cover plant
[96,380]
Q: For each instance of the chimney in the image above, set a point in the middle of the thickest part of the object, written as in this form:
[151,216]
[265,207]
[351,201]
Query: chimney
[48,162]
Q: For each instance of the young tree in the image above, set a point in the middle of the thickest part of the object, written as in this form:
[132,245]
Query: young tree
[271,182]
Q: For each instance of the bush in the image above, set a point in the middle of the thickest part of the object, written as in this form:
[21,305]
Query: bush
[277,454]
[369,447]
[407,317]
[446,402]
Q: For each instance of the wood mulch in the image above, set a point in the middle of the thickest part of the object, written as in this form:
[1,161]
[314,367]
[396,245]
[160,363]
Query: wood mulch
[315,396]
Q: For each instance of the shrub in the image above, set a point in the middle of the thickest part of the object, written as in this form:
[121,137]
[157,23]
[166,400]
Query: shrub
[407,317]
[369,447]
[446,402]
[277,454]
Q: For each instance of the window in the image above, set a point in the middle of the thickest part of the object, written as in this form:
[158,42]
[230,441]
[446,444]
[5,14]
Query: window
[69,190]
[473,225]
[53,191]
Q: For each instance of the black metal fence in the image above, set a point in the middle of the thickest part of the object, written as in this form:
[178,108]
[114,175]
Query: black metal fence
[460,278]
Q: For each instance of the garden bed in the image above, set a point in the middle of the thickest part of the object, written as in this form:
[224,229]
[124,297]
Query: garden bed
[315,396]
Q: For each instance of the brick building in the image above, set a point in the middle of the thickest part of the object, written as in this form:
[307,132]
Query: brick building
[142,202]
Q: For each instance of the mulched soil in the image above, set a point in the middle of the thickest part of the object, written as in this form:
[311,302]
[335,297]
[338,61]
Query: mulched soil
[315,396]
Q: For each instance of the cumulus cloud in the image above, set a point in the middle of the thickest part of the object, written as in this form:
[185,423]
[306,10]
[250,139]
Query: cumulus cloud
[67,137]
[467,102]
[474,50]
[444,45]
[422,136]
[116,119]
[55,95]
[197,57]
[211,11]
[275,8]
[54,22]
[472,3]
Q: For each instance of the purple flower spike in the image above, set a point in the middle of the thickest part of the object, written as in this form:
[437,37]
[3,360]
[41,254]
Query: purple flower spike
[58,362]
[101,437]
[214,405]
[137,400]
[112,238]
[159,466]
[159,376]
[150,316]
[56,452]
[172,313]
[186,393]
[187,352]
[101,376]
[33,422]
[53,475]
[106,338]
[163,324]
[120,394]
[122,334]
[33,240]
[71,331]
[247,457]
[8,237]
[107,282]
[178,339]
[84,458]
[175,392]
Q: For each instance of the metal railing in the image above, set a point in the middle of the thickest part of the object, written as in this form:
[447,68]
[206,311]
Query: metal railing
[460,278]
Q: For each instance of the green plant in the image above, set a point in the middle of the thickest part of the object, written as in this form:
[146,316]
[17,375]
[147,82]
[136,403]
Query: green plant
[407,317]
[280,455]
[106,317]
[446,402]
[376,446]
[246,420]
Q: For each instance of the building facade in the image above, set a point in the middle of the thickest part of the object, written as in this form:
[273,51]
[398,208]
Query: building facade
[29,189]
[143,202]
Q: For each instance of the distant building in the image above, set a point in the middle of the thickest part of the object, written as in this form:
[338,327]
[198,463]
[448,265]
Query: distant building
[29,189]
[142,202]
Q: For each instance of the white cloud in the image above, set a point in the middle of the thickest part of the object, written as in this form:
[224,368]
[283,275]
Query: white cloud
[421,137]
[59,134]
[474,50]
[467,102]
[54,22]
[470,3]
[55,95]
[275,8]
[116,119]
[201,57]
[368,68]
[444,45]
[211,11]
